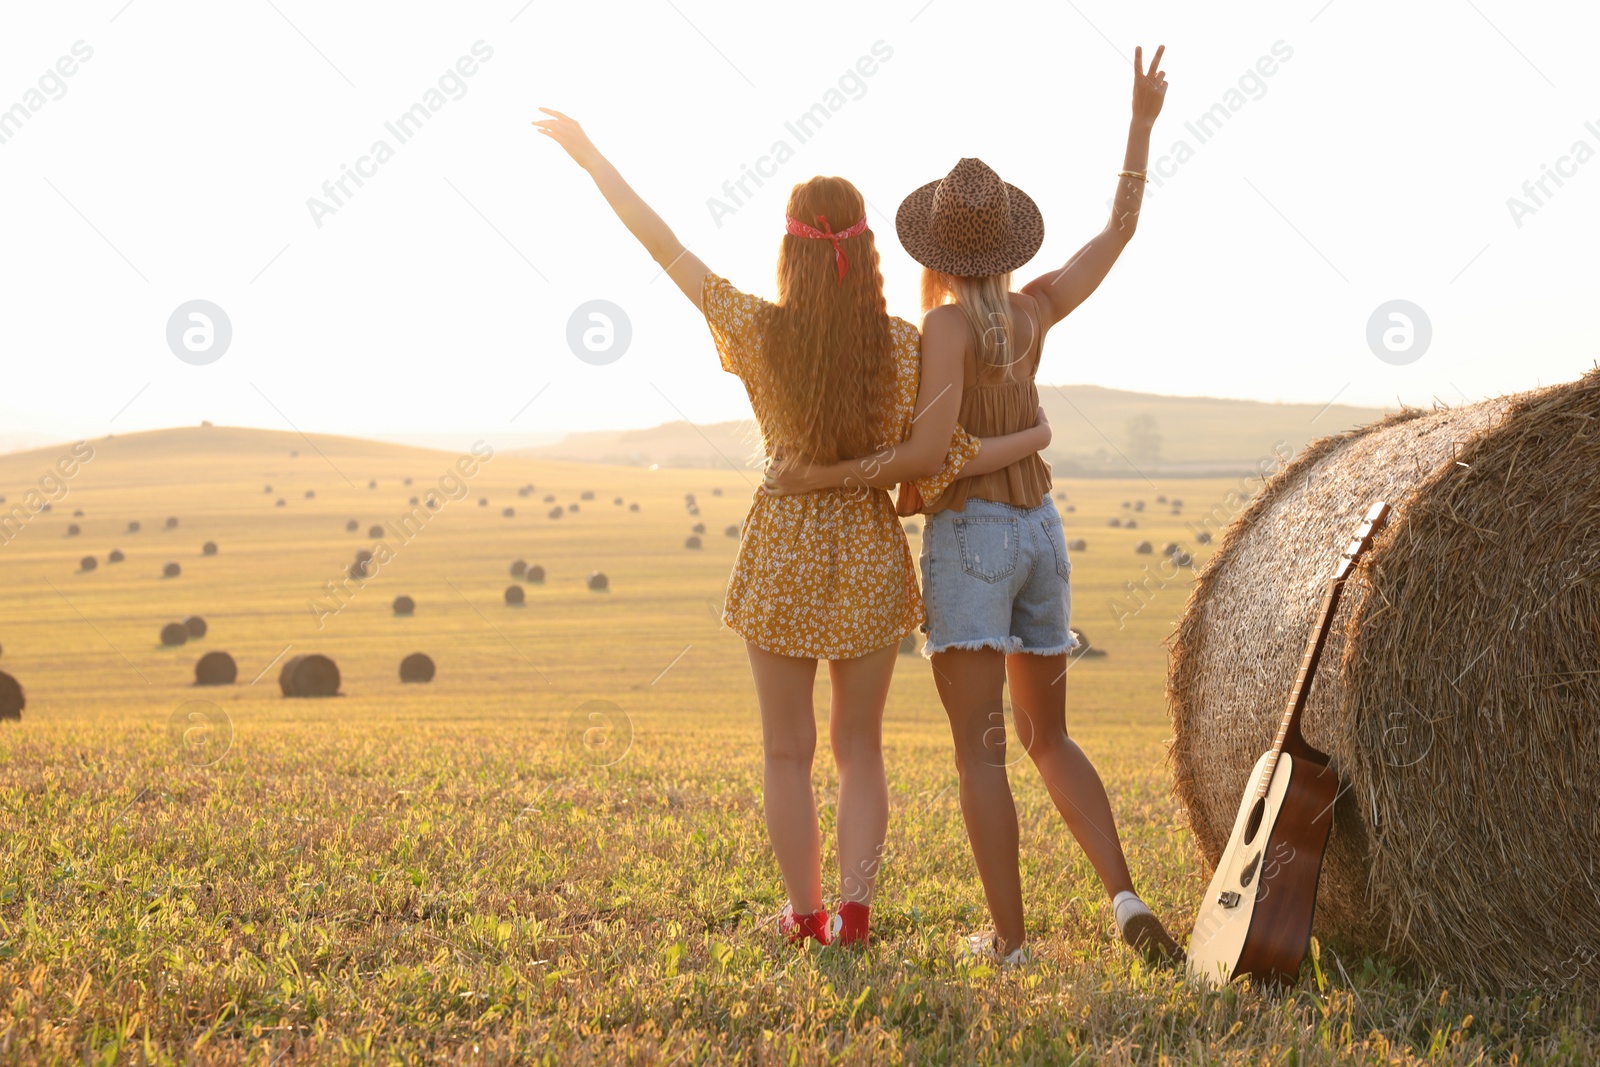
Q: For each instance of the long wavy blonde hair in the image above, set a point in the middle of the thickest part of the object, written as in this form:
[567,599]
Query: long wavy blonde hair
[828,346]
[986,303]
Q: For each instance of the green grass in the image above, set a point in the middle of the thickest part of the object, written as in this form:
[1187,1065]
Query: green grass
[473,871]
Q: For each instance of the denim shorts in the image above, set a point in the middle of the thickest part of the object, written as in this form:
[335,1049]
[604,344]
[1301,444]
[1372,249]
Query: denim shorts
[996,576]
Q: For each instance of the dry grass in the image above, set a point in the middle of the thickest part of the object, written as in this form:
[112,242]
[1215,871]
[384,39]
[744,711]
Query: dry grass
[459,872]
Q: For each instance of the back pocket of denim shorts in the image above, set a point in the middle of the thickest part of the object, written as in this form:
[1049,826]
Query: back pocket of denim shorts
[988,546]
[1058,545]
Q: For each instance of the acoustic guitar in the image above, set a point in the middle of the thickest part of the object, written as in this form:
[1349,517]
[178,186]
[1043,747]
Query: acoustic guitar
[1256,916]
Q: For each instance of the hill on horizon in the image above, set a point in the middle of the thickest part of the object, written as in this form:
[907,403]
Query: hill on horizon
[1098,432]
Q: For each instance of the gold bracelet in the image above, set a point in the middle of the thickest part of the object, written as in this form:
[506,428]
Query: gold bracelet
[1133,174]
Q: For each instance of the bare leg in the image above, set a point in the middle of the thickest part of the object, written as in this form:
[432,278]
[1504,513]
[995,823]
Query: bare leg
[970,685]
[1039,702]
[860,689]
[789,741]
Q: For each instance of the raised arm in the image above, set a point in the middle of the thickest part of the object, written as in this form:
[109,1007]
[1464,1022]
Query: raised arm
[945,335]
[1062,290]
[682,266]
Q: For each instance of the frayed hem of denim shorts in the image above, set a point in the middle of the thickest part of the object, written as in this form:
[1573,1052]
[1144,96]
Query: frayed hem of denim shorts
[1007,645]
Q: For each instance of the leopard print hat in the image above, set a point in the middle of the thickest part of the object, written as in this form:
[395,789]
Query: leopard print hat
[970,223]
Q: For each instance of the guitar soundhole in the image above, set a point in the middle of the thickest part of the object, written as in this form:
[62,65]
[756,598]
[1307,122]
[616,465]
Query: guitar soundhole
[1254,824]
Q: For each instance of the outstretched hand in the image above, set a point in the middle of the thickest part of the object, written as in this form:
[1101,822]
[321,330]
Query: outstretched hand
[1149,87]
[565,131]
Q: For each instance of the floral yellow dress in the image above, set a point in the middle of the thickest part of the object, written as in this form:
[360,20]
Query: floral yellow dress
[824,575]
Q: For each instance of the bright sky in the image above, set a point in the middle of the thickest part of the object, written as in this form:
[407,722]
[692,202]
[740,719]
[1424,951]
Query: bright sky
[1368,154]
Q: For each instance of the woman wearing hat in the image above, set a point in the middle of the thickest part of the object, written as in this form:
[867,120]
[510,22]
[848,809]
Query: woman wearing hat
[994,564]
[828,575]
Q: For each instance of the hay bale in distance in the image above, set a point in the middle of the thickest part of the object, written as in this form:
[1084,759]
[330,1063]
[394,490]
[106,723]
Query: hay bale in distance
[196,626]
[691,542]
[1161,499]
[694,510]
[634,506]
[572,507]
[587,494]
[550,498]
[1077,544]
[408,481]
[216,668]
[1454,695]
[372,483]
[519,568]
[1114,521]
[1138,505]
[534,573]
[133,526]
[515,596]
[908,644]
[416,667]
[698,528]
[280,503]
[598,582]
[716,490]
[73,530]
[414,501]
[208,549]
[311,494]
[363,555]
[352,526]
[172,522]
[174,634]
[732,530]
[88,563]
[483,501]
[618,501]
[1203,537]
[12,700]
[374,532]
[1171,548]
[115,556]
[404,605]
[1182,558]
[556,513]
[1143,548]
[171,570]
[1131,524]
[309,675]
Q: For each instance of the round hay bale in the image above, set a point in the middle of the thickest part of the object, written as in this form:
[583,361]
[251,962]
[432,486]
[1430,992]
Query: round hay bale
[483,501]
[908,644]
[1127,504]
[691,542]
[433,503]
[716,490]
[1113,521]
[514,595]
[598,582]
[1182,558]
[1077,544]
[294,453]
[12,700]
[1161,499]
[208,549]
[572,507]
[363,555]
[196,626]
[550,499]
[47,507]
[556,513]
[416,667]
[174,634]
[372,483]
[1143,548]
[374,532]
[1138,505]
[352,526]
[913,528]
[693,510]
[133,526]
[88,563]
[310,674]
[524,491]
[732,530]
[587,494]
[280,503]
[688,499]
[216,668]
[618,501]
[171,570]
[1203,537]
[1131,524]
[414,501]
[78,514]
[1456,697]
[408,481]
[1171,548]
[72,530]
[1177,502]
[115,556]
[634,506]
[404,605]
[358,570]
[519,568]
[172,522]
[698,528]
[534,573]
[311,494]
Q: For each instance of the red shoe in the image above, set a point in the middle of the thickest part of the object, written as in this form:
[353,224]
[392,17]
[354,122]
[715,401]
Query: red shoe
[796,928]
[851,925]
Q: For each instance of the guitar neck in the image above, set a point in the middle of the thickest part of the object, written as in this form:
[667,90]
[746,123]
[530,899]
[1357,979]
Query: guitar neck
[1289,726]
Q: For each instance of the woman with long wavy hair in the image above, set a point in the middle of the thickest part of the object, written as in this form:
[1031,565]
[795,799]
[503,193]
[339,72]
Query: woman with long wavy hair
[995,570]
[828,575]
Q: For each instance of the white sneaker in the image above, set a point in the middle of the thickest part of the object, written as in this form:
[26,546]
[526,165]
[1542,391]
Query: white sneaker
[985,946]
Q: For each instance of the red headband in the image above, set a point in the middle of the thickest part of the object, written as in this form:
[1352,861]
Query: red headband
[800,229]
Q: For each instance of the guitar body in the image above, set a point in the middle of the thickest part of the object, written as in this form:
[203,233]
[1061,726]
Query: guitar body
[1256,916]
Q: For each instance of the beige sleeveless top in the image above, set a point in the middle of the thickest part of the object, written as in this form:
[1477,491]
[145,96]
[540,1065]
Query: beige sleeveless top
[998,400]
